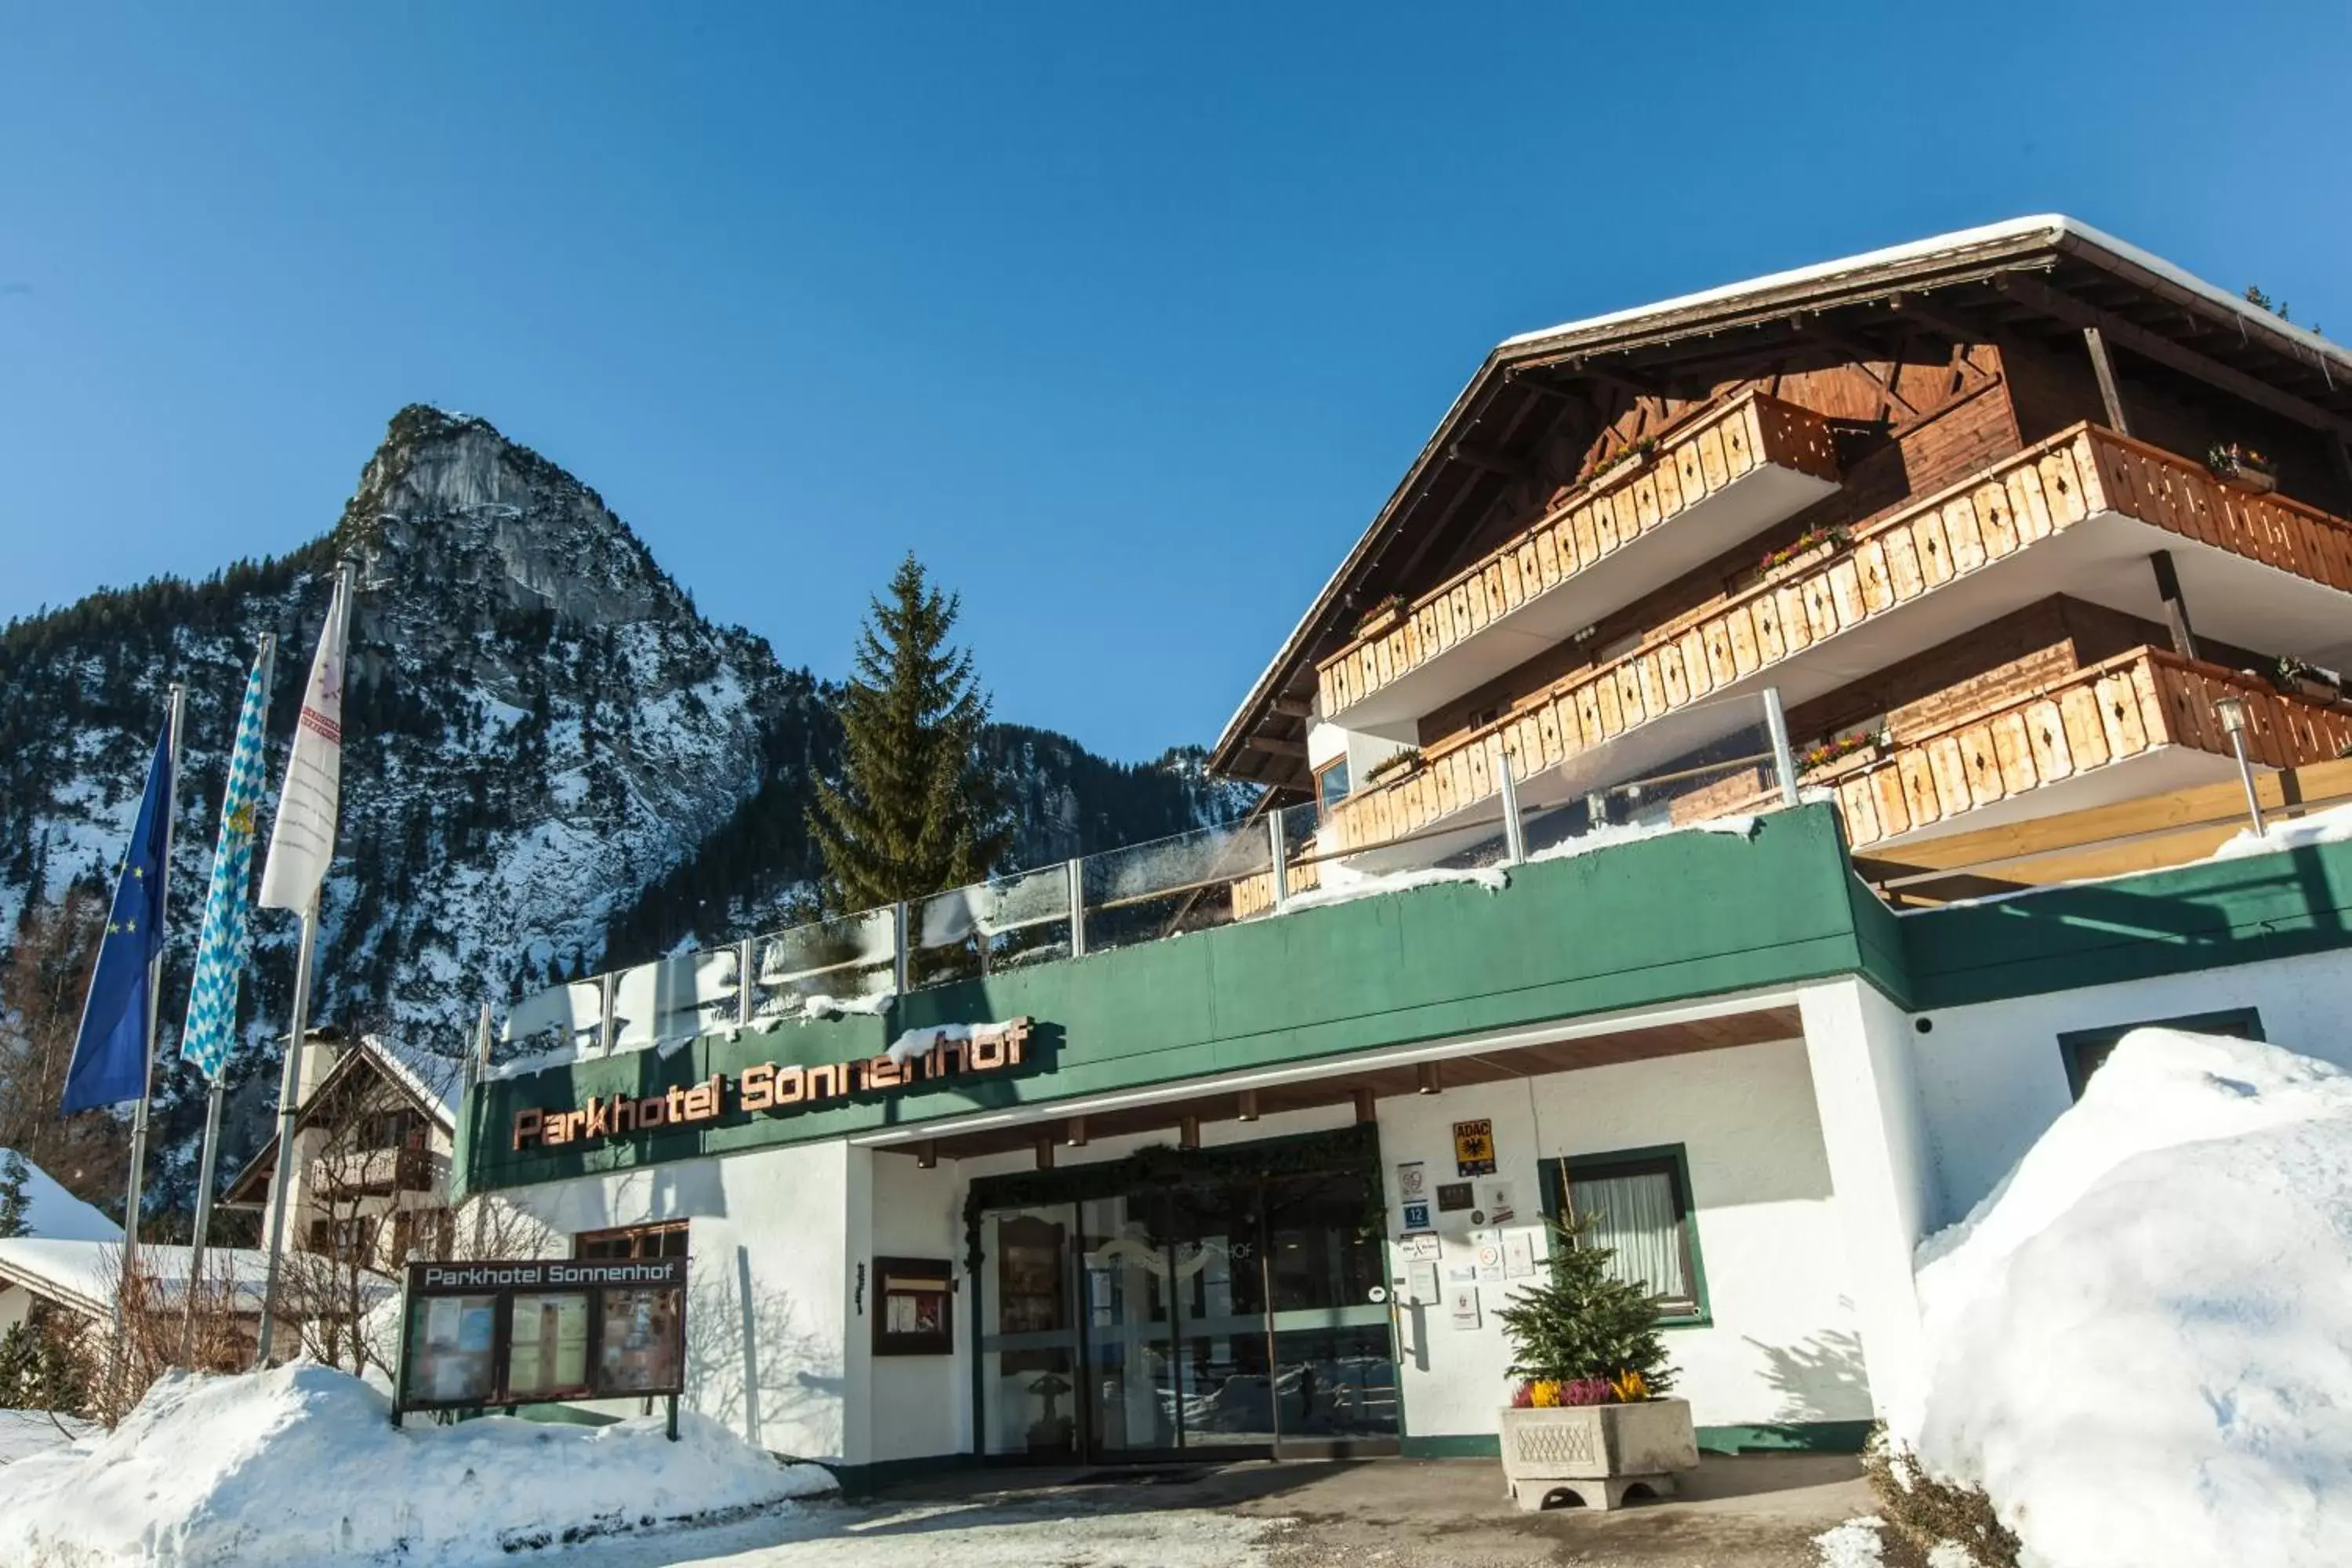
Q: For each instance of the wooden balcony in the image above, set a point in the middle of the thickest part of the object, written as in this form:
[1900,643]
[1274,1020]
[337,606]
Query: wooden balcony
[2094,722]
[2263,572]
[1735,470]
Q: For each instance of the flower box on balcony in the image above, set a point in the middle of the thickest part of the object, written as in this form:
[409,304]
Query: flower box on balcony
[1855,749]
[2296,679]
[2242,469]
[1809,549]
[1600,1452]
[1380,617]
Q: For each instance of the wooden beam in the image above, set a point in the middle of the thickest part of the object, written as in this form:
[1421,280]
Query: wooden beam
[1486,457]
[2118,333]
[1525,376]
[1273,746]
[2104,369]
[1854,349]
[1293,707]
[2176,607]
[1917,307]
[1632,380]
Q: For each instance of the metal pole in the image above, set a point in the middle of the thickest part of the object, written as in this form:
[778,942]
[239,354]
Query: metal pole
[289,1079]
[1078,871]
[1281,862]
[898,965]
[1784,760]
[608,993]
[204,1169]
[2246,776]
[1514,830]
[176,706]
[747,980]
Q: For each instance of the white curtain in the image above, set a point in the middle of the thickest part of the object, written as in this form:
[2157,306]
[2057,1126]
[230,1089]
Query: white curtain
[1634,1214]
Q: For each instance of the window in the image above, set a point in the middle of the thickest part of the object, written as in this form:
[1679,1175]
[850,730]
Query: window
[402,1129]
[1332,783]
[1639,1203]
[2085,1049]
[638,1241]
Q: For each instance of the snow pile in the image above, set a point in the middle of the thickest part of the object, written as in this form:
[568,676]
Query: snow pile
[301,1465]
[2140,1345]
[52,1212]
[2330,827]
[24,1433]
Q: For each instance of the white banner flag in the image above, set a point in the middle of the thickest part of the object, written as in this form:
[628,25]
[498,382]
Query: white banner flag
[303,838]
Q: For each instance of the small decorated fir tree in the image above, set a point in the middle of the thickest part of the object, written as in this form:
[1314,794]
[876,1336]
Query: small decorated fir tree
[1580,1329]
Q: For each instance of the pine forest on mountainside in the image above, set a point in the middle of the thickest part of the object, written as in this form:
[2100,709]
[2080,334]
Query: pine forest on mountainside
[552,763]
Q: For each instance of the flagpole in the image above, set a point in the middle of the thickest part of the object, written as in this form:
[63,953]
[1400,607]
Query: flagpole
[346,586]
[289,1081]
[214,1093]
[131,1198]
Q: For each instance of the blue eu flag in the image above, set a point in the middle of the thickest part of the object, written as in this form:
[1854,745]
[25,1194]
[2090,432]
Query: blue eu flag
[109,1058]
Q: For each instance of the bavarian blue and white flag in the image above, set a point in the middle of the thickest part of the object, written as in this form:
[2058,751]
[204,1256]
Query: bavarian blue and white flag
[221,944]
[110,1053]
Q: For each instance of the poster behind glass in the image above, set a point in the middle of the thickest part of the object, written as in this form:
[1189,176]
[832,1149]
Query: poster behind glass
[451,1352]
[641,1349]
[547,1355]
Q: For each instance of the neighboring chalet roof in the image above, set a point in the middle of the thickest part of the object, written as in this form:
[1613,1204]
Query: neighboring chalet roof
[431,1082]
[81,1275]
[51,1211]
[2043,275]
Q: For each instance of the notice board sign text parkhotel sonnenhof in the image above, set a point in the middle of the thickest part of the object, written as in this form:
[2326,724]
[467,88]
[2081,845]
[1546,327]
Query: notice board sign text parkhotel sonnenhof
[535,1330]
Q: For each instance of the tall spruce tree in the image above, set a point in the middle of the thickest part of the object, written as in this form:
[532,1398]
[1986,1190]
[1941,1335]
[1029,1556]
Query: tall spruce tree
[915,813]
[15,1197]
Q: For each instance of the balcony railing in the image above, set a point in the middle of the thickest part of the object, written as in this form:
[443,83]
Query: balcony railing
[2022,500]
[1123,898]
[2129,706]
[1742,467]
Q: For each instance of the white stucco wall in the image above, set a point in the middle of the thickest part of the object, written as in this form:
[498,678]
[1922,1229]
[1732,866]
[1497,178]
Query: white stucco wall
[919,1406]
[1783,1344]
[769,1294]
[1992,1077]
[1873,1132]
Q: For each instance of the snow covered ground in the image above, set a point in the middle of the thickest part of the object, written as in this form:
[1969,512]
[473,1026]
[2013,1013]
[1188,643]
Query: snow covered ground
[2140,1345]
[301,1466]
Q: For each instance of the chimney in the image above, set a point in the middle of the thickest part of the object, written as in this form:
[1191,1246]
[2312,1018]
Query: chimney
[321,1049]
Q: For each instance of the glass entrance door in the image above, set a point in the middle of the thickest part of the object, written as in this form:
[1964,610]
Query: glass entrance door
[1230,1318]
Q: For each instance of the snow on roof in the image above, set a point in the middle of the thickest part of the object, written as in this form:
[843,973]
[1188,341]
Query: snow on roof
[430,1077]
[84,1272]
[51,1211]
[2054,227]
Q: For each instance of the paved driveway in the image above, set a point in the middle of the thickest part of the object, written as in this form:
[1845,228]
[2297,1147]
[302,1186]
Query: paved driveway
[1759,1511]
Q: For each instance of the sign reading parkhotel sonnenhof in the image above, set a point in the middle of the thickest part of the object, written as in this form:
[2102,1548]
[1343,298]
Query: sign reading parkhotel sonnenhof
[773,1086]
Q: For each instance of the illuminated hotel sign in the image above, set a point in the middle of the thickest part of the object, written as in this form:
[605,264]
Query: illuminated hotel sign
[955,1051]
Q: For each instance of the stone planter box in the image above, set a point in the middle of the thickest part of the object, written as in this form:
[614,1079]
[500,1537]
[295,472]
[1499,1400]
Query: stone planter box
[1600,1452]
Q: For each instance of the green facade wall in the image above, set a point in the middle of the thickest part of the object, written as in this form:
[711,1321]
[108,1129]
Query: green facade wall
[1644,923]
[1647,923]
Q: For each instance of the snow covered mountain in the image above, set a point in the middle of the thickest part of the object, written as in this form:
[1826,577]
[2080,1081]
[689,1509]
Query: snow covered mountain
[550,758]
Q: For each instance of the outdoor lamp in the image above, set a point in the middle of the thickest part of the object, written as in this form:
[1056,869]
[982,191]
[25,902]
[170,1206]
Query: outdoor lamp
[2231,712]
[1431,1078]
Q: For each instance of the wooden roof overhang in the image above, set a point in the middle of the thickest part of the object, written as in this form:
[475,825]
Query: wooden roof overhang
[1547,392]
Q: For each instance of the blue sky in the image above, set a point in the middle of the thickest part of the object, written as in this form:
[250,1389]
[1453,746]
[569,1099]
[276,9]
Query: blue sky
[1124,319]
